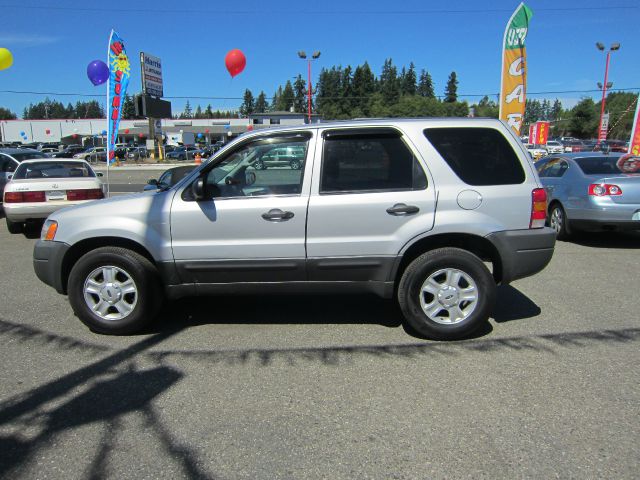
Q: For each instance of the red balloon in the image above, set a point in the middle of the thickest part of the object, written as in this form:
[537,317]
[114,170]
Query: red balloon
[249,127]
[140,135]
[206,131]
[235,62]
[75,135]
[126,130]
[47,131]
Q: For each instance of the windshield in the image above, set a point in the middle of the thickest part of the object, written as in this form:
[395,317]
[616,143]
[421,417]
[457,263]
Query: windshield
[609,165]
[53,170]
[28,155]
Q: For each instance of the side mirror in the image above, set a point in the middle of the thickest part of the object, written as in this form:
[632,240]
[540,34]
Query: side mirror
[10,176]
[100,174]
[152,181]
[197,188]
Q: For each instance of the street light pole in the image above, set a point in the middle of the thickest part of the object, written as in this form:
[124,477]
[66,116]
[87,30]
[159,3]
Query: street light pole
[602,132]
[314,56]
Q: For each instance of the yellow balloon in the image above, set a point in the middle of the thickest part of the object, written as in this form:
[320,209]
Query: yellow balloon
[6,59]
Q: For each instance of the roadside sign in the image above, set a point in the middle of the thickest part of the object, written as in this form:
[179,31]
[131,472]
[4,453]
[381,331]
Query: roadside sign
[604,126]
[151,69]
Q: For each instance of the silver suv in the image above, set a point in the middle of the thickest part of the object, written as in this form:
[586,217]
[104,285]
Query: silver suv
[430,212]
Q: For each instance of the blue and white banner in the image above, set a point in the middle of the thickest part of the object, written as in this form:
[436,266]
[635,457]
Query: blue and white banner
[119,73]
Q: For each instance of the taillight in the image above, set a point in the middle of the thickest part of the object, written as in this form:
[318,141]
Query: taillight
[13,197]
[603,189]
[538,208]
[24,197]
[85,194]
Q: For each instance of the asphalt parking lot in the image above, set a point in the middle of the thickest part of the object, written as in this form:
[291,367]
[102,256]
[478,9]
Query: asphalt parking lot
[329,387]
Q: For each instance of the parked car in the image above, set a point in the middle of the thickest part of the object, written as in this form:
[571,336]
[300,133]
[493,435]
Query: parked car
[536,151]
[93,154]
[10,158]
[137,153]
[407,209]
[592,191]
[292,157]
[169,178]
[40,187]
[182,153]
[573,146]
[606,146]
[69,151]
[553,146]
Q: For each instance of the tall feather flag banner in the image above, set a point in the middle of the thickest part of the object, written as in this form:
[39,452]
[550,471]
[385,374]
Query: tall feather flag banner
[513,86]
[634,142]
[119,73]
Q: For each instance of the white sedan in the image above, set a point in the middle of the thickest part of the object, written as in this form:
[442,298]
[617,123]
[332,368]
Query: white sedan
[40,187]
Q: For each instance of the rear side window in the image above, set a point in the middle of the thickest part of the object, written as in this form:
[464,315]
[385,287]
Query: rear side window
[479,156]
[369,161]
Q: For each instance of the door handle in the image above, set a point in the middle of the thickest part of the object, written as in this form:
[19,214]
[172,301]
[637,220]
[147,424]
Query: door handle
[277,215]
[400,209]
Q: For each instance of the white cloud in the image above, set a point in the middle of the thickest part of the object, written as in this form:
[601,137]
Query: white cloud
[26,40]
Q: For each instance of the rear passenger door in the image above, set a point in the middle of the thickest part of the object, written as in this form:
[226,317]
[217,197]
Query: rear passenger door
[373,195]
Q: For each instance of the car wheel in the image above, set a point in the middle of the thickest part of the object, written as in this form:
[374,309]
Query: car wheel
[446,294]
[259,165]
[296,165]
[558,221]
[114,290]
[14,227]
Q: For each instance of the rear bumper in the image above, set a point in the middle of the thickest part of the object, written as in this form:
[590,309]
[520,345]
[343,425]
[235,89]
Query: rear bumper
[605,225]
[523,252]
[47,263]
[21,212]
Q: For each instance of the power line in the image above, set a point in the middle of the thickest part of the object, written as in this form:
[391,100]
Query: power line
[272,11]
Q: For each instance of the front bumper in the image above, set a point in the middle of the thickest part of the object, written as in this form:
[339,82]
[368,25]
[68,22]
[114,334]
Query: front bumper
[523,252]
[47,263]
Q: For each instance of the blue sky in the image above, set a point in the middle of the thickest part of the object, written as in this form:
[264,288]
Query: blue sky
[53,41]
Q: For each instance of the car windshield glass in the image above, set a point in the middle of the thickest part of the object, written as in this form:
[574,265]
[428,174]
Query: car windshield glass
[609,165]
[28,155]
[53,170]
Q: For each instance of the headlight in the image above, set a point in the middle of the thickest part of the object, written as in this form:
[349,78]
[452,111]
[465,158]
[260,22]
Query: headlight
[49,230]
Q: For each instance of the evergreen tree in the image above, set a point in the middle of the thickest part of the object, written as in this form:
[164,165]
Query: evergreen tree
[248,104]
[389,84]
[128,108]
[584,119]
[363,88]
[285,102]
[208,113]
[6,114]
[187,111]
[556,110]
[261,105]
[425,86]
[409,80]
[70,111]
[275,101]
[198,113]
[300,95]
[451,91]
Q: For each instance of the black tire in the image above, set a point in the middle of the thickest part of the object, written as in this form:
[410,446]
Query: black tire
[296,164]
[559,222]
[14,227]
[148,300]
[259,165]
[422,268]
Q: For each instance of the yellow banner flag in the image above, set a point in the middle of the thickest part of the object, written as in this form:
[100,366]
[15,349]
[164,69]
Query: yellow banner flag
[513,86]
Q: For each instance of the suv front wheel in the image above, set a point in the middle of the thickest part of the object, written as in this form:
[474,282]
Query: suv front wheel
[446,294]
[114,290]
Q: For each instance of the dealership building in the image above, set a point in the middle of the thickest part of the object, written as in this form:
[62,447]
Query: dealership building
[90,131]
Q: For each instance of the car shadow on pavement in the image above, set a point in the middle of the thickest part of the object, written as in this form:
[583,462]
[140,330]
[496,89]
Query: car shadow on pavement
[512,304]
[606,239]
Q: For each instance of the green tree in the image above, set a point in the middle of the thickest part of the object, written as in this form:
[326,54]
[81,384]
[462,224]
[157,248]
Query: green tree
[425,85]
[248,104]
[584,119]
[285,102]
[300,95]
[128,108]
[364,84]
[6,114]
[389,83]
[621,108]
[261,105]
[198,113]
[451,90]
[486,108]
[409,80]
[187,112]
[208,113]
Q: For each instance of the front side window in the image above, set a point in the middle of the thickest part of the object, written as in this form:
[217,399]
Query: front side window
[478,156]
[265,167]
[368,161]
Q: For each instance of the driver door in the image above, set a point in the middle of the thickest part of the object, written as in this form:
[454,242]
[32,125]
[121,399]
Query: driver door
[251,225]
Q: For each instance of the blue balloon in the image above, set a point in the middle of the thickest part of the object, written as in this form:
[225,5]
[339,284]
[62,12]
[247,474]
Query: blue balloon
[98,72]
[104,132]
[199,135]
[22,134]
[227,127]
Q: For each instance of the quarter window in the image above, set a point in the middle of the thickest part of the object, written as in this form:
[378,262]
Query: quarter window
[369,161]
[478,156]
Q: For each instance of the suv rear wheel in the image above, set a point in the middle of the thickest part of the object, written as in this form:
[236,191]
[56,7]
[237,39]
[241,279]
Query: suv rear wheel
[114,290]
[446,293]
